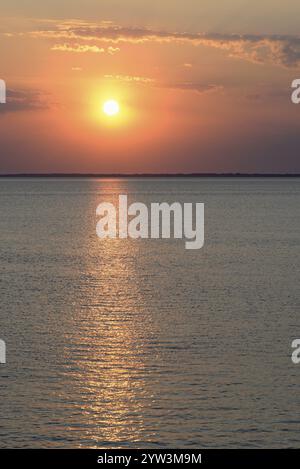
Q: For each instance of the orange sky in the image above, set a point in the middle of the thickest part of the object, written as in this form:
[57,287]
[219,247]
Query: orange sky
[200,88]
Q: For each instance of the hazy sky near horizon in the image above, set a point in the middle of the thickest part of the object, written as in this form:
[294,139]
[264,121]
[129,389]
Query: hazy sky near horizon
[202,85]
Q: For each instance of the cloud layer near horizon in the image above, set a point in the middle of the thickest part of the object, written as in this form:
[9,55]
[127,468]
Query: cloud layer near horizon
[24,100]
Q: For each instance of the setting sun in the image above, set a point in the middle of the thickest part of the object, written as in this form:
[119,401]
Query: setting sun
[111,107]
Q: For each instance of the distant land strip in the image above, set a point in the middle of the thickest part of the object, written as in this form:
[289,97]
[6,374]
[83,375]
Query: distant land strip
[150,175]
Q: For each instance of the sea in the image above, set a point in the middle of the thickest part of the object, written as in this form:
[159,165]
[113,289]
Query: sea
[124,343]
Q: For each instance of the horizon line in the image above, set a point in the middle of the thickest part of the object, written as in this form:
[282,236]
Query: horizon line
[140,175]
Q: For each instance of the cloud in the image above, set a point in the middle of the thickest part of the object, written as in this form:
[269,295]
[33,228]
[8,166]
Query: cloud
[83,48]
[24,100]
[200,88]
[269,94]
[78,48]
[275,49]
[130,79]
[113,50]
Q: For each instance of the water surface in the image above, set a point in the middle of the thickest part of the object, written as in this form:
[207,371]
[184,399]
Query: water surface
[123,343]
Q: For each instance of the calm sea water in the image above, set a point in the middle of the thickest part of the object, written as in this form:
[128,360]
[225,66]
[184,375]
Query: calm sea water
[123,343]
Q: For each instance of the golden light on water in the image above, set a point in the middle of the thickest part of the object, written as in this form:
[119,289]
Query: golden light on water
[111,395]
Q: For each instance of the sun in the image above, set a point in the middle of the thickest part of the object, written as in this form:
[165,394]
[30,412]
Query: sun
[111,108]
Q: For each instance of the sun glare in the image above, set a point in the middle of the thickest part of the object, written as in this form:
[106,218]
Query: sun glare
[111,108]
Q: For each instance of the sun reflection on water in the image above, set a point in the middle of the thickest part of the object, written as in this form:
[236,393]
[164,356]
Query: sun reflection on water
[105,346]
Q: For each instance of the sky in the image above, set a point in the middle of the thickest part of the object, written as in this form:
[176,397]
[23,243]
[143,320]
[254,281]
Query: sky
[202,85]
